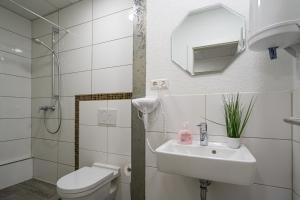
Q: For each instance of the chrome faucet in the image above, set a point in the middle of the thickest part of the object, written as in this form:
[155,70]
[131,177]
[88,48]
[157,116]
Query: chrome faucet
[203,134]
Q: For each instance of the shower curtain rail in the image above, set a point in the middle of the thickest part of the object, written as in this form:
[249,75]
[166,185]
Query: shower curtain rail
[41,17]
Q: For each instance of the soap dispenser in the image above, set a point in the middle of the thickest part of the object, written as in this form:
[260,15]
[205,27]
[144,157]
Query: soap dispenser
[184,136]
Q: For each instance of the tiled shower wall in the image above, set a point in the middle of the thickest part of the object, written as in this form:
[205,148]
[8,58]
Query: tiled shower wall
[15,98]
[95,57]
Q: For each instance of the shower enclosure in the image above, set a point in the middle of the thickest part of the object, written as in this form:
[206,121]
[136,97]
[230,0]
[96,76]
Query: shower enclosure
[55,82]
[19,99]
[53,53]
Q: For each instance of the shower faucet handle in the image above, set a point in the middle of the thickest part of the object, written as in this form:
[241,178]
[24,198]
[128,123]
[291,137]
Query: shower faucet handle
[47,108]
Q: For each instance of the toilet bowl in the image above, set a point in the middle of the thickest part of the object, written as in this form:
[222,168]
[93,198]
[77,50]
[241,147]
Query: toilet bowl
[89,183]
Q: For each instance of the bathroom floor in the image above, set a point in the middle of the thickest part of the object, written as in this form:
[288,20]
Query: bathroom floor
[29,190]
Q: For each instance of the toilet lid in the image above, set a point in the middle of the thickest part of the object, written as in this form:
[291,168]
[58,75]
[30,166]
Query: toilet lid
[83,179]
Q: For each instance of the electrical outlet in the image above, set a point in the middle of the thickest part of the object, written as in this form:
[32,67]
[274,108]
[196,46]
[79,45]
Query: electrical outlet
[159,84]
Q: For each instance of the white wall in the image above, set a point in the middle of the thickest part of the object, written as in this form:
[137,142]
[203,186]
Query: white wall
[296,132]
[96,57]
[251,72]
[188,98]
[15,94]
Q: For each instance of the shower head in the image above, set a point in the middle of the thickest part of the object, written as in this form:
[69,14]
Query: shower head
[38,41]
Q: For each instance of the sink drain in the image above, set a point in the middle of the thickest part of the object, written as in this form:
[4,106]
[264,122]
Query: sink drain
[213,151]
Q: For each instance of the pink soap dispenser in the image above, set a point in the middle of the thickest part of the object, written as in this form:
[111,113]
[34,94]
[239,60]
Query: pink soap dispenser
[184,136]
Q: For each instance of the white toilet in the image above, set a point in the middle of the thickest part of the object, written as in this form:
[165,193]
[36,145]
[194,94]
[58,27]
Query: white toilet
[89,183]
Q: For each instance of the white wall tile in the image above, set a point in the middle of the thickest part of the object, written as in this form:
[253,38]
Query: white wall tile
[39,130]
[67,131]
[14,22]
[112,27]
[14,150]
[219,191]
[14,107]
[45,149]
[66,153]
[76,60]
[114,53]
[45,171]
[117,79]
[64,170]
[266,120]
[270,169]
[263,122]
[40,27]
[68,107]
[76,14]
[41,66]
[87,158]
[179,109]
[163,186]
[215,112]
[296,167]
[119,140]
[38,50]
[155,139]
[89,111]
[124,111]
[16,172]
[296,113]
[107,7]
[123,192]
[15,65]
[19,86]
[93,138]
[41,87]
[296,196]
[76,83]
[120,161]
[15,129]
[79,36]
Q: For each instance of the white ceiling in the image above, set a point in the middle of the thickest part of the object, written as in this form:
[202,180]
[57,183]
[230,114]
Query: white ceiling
[41,7]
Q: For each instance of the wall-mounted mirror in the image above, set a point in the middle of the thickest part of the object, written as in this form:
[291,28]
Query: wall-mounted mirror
[208,39]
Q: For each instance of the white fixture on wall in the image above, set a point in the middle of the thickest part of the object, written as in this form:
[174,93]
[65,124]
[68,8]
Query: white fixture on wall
[274,24]
[214,162]
[159,84]
[146,106]
[107,117]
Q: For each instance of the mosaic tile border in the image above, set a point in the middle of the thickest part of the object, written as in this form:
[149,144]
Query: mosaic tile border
[92,97]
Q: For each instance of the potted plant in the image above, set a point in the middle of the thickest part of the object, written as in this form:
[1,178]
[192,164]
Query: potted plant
[236,118]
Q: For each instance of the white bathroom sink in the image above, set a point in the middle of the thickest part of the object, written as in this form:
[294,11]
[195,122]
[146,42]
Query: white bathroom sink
[215,162]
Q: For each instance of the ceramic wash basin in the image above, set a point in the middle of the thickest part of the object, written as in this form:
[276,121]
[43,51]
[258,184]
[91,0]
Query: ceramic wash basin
[215,162]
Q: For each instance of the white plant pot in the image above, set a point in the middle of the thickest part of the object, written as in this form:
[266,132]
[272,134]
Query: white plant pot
[233,143]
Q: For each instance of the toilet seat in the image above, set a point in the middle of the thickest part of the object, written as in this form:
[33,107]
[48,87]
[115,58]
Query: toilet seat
[84,181]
